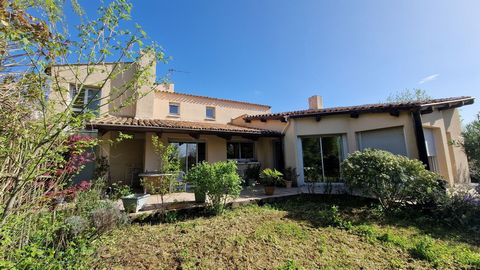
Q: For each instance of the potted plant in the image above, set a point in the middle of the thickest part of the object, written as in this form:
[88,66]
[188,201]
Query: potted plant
[290,176]
[198,177]
[251,174]
[269,178]
[132,203]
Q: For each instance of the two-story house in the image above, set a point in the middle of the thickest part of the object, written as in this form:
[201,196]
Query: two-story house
[214,129]
[200,126]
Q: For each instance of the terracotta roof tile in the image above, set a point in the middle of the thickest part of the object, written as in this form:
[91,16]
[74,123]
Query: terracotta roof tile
[379,107]
[111,122]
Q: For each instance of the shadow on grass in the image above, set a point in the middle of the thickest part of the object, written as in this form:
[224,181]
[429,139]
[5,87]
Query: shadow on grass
[359,211]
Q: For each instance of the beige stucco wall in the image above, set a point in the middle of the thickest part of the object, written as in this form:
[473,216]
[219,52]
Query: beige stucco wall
[275,125]
[139,152]
[453,163]
[193,108]
[126,157]
[113,87]
[446,124]
[347,126]
[344,124]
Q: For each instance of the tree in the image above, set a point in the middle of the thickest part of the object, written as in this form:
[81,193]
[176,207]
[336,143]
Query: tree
[35,127]
[408,95]
[471,145]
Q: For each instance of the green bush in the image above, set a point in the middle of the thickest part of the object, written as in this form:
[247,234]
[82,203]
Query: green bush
[393,179]
[252,173]
[59,238]
[291,174]
[461,209]
[471,145]
[270,177]
[331,217]
[219,181]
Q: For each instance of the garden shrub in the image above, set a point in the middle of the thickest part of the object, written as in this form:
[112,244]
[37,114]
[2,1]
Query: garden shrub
[219,181]
[460,209]
[251,174]
[426,248]
[106,217]
[331,217]
[271,177]
[392,179]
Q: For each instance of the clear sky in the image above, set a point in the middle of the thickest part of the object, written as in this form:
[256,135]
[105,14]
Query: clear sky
[280,52]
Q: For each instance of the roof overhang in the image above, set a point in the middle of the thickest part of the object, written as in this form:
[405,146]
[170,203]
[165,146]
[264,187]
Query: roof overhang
[106,127]
[354,111]
[112,123]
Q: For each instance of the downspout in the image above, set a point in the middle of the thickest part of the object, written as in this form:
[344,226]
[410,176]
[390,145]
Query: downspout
[283,142]
[420,137]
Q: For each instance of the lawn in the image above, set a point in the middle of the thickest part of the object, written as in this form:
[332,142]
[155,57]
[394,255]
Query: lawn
[304,232]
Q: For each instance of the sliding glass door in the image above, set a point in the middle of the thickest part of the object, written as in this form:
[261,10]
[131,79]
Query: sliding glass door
[190,154]
[321,157]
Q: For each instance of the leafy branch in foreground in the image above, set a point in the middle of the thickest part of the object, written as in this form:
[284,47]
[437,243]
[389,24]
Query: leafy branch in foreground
[45,70]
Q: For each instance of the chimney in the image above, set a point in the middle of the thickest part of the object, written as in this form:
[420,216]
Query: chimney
[166,87]
[315,102]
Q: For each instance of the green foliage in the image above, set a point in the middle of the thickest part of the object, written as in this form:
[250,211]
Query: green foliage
[471,145]
[290,174]
[289,265]
[168,155]
[393,179]
[118,191]
[42,114]
[270,177]
[219,181]
[427,249]
[60,239]
[199,176]
[332,217]
[408,95]
[252,173]
[460,209]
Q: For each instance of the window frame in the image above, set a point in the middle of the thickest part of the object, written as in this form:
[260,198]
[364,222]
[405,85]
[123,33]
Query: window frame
[87,89]
[239,145]
[342,153]
[214,112]
[170,104]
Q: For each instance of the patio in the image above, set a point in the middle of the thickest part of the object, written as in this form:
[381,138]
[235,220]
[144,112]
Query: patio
[186,200]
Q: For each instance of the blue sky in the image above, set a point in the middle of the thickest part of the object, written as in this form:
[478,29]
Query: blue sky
[280,52]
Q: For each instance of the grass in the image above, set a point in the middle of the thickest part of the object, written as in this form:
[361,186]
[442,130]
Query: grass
[303,233]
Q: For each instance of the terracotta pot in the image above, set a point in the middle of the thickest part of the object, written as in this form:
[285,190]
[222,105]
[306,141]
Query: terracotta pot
[288,184]
[269,190]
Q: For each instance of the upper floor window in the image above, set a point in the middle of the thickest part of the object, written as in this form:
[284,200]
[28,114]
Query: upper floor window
[174,108]
[210,112]
[85,99]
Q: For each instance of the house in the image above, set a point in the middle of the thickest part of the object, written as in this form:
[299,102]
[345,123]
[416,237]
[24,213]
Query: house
[323,137]
[214,129]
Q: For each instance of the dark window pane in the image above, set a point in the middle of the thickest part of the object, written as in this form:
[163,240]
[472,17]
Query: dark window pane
[233,151]
[174,109]
[210,112]
[191,155]
[202,155]
[331,157]
[247,150]
[312,159]
[93,99]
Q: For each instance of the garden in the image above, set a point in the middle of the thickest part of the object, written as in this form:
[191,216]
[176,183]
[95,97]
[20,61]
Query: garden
[406,217]
[308,232]
[412,224]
